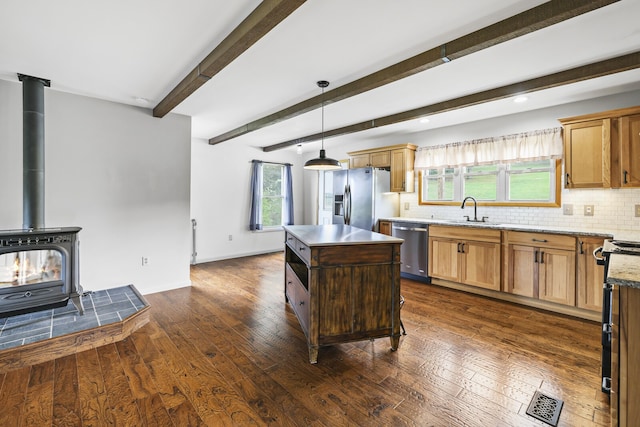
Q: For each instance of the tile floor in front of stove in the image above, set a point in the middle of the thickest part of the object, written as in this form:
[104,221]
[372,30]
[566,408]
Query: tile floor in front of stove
[100,308]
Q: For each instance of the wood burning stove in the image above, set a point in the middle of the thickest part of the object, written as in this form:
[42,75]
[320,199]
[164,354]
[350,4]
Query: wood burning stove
[39,269]
[39,266]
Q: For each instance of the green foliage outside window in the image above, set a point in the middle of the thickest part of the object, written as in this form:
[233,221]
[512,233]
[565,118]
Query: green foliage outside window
[532,181]
[272,194]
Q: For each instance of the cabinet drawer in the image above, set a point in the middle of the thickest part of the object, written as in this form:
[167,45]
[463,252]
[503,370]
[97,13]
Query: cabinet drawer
[299,248]
[542,240]
[298,297]
[465,233]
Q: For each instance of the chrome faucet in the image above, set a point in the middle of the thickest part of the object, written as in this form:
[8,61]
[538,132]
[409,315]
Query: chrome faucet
[475,210]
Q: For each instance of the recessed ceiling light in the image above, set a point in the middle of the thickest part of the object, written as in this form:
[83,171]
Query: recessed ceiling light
[520,99]
[424,120]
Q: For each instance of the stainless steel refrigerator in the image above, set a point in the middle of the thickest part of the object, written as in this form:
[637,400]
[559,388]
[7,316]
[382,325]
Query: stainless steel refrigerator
[361,196]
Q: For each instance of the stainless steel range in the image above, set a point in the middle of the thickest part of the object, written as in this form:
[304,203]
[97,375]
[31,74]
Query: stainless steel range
[602,255]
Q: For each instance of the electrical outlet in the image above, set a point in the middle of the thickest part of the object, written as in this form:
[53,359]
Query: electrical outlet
[567,209]
[588,210]
[145,261]
[230,237]
[638,211]
[406,206]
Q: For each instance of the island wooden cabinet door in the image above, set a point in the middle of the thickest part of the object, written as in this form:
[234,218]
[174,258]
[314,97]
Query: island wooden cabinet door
[352,302]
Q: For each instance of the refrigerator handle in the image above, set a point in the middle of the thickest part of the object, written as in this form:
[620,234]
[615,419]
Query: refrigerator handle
[347,212]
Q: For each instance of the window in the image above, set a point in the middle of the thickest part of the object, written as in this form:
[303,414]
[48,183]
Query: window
[518,183]
[271,196]
[438,184]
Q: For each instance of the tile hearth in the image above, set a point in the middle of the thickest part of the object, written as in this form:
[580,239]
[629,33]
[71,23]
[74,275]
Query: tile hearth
[100,308]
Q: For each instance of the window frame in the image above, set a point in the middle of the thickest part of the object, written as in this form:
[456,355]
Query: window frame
[281,196]
[502,185]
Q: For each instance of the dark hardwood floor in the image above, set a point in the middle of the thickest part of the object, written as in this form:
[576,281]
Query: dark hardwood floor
[228,351]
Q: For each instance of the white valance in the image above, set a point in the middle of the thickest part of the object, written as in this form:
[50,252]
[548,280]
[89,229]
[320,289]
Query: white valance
[528,146]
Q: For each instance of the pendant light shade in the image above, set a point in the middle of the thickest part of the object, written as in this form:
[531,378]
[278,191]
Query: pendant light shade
[323,163]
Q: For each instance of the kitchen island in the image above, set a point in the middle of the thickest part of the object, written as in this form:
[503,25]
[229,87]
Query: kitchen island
[343,284]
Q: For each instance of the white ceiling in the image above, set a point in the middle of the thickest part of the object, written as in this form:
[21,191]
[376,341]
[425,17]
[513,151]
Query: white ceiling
[124,50]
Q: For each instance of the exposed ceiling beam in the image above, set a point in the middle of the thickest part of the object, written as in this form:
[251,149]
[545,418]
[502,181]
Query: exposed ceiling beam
[539,17]
[262,20]
[574,75]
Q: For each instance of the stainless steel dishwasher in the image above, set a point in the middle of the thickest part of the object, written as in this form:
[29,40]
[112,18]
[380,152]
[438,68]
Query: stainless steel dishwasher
[413,252]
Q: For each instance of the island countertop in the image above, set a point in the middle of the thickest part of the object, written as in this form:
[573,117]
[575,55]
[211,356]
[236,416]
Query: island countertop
[624,270]
[336,234]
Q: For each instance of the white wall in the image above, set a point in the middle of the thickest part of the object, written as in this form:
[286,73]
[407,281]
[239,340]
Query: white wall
[117,172]
[221,176]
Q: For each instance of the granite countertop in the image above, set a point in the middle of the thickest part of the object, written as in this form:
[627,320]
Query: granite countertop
[502,226]
[624,270]
[334,234]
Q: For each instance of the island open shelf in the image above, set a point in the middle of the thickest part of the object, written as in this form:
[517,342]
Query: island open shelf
[343,284]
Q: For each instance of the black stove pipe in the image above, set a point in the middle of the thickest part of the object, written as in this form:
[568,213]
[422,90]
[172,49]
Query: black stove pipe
[33,151]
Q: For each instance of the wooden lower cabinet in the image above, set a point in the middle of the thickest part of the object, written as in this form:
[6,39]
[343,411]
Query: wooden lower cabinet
[589,275]
[541,266]
[384,227]
[471,257]
[344,292]
[557,276]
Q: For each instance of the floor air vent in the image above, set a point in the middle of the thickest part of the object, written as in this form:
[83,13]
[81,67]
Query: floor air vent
[545,408]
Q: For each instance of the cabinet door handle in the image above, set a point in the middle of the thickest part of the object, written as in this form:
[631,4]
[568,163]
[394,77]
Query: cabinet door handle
[541,257]
[458,247]
[301,302]
[625,177]
[461,248]
[540,240]
[535,257]
[581,247]
[302,248]
[566,182]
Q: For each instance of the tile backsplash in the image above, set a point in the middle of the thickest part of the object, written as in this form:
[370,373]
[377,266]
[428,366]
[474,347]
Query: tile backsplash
[613,212]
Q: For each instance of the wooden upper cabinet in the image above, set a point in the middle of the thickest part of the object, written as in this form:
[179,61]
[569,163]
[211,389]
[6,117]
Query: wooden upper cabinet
[381,159]
[587,151]
[398,158]
[402,177]
[602,150]
[630,151]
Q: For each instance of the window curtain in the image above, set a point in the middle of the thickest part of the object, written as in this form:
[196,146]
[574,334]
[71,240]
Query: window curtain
[529,146]
[287,217]
[255,216]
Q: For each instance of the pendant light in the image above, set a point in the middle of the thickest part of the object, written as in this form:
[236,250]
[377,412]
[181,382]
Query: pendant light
[323,163]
